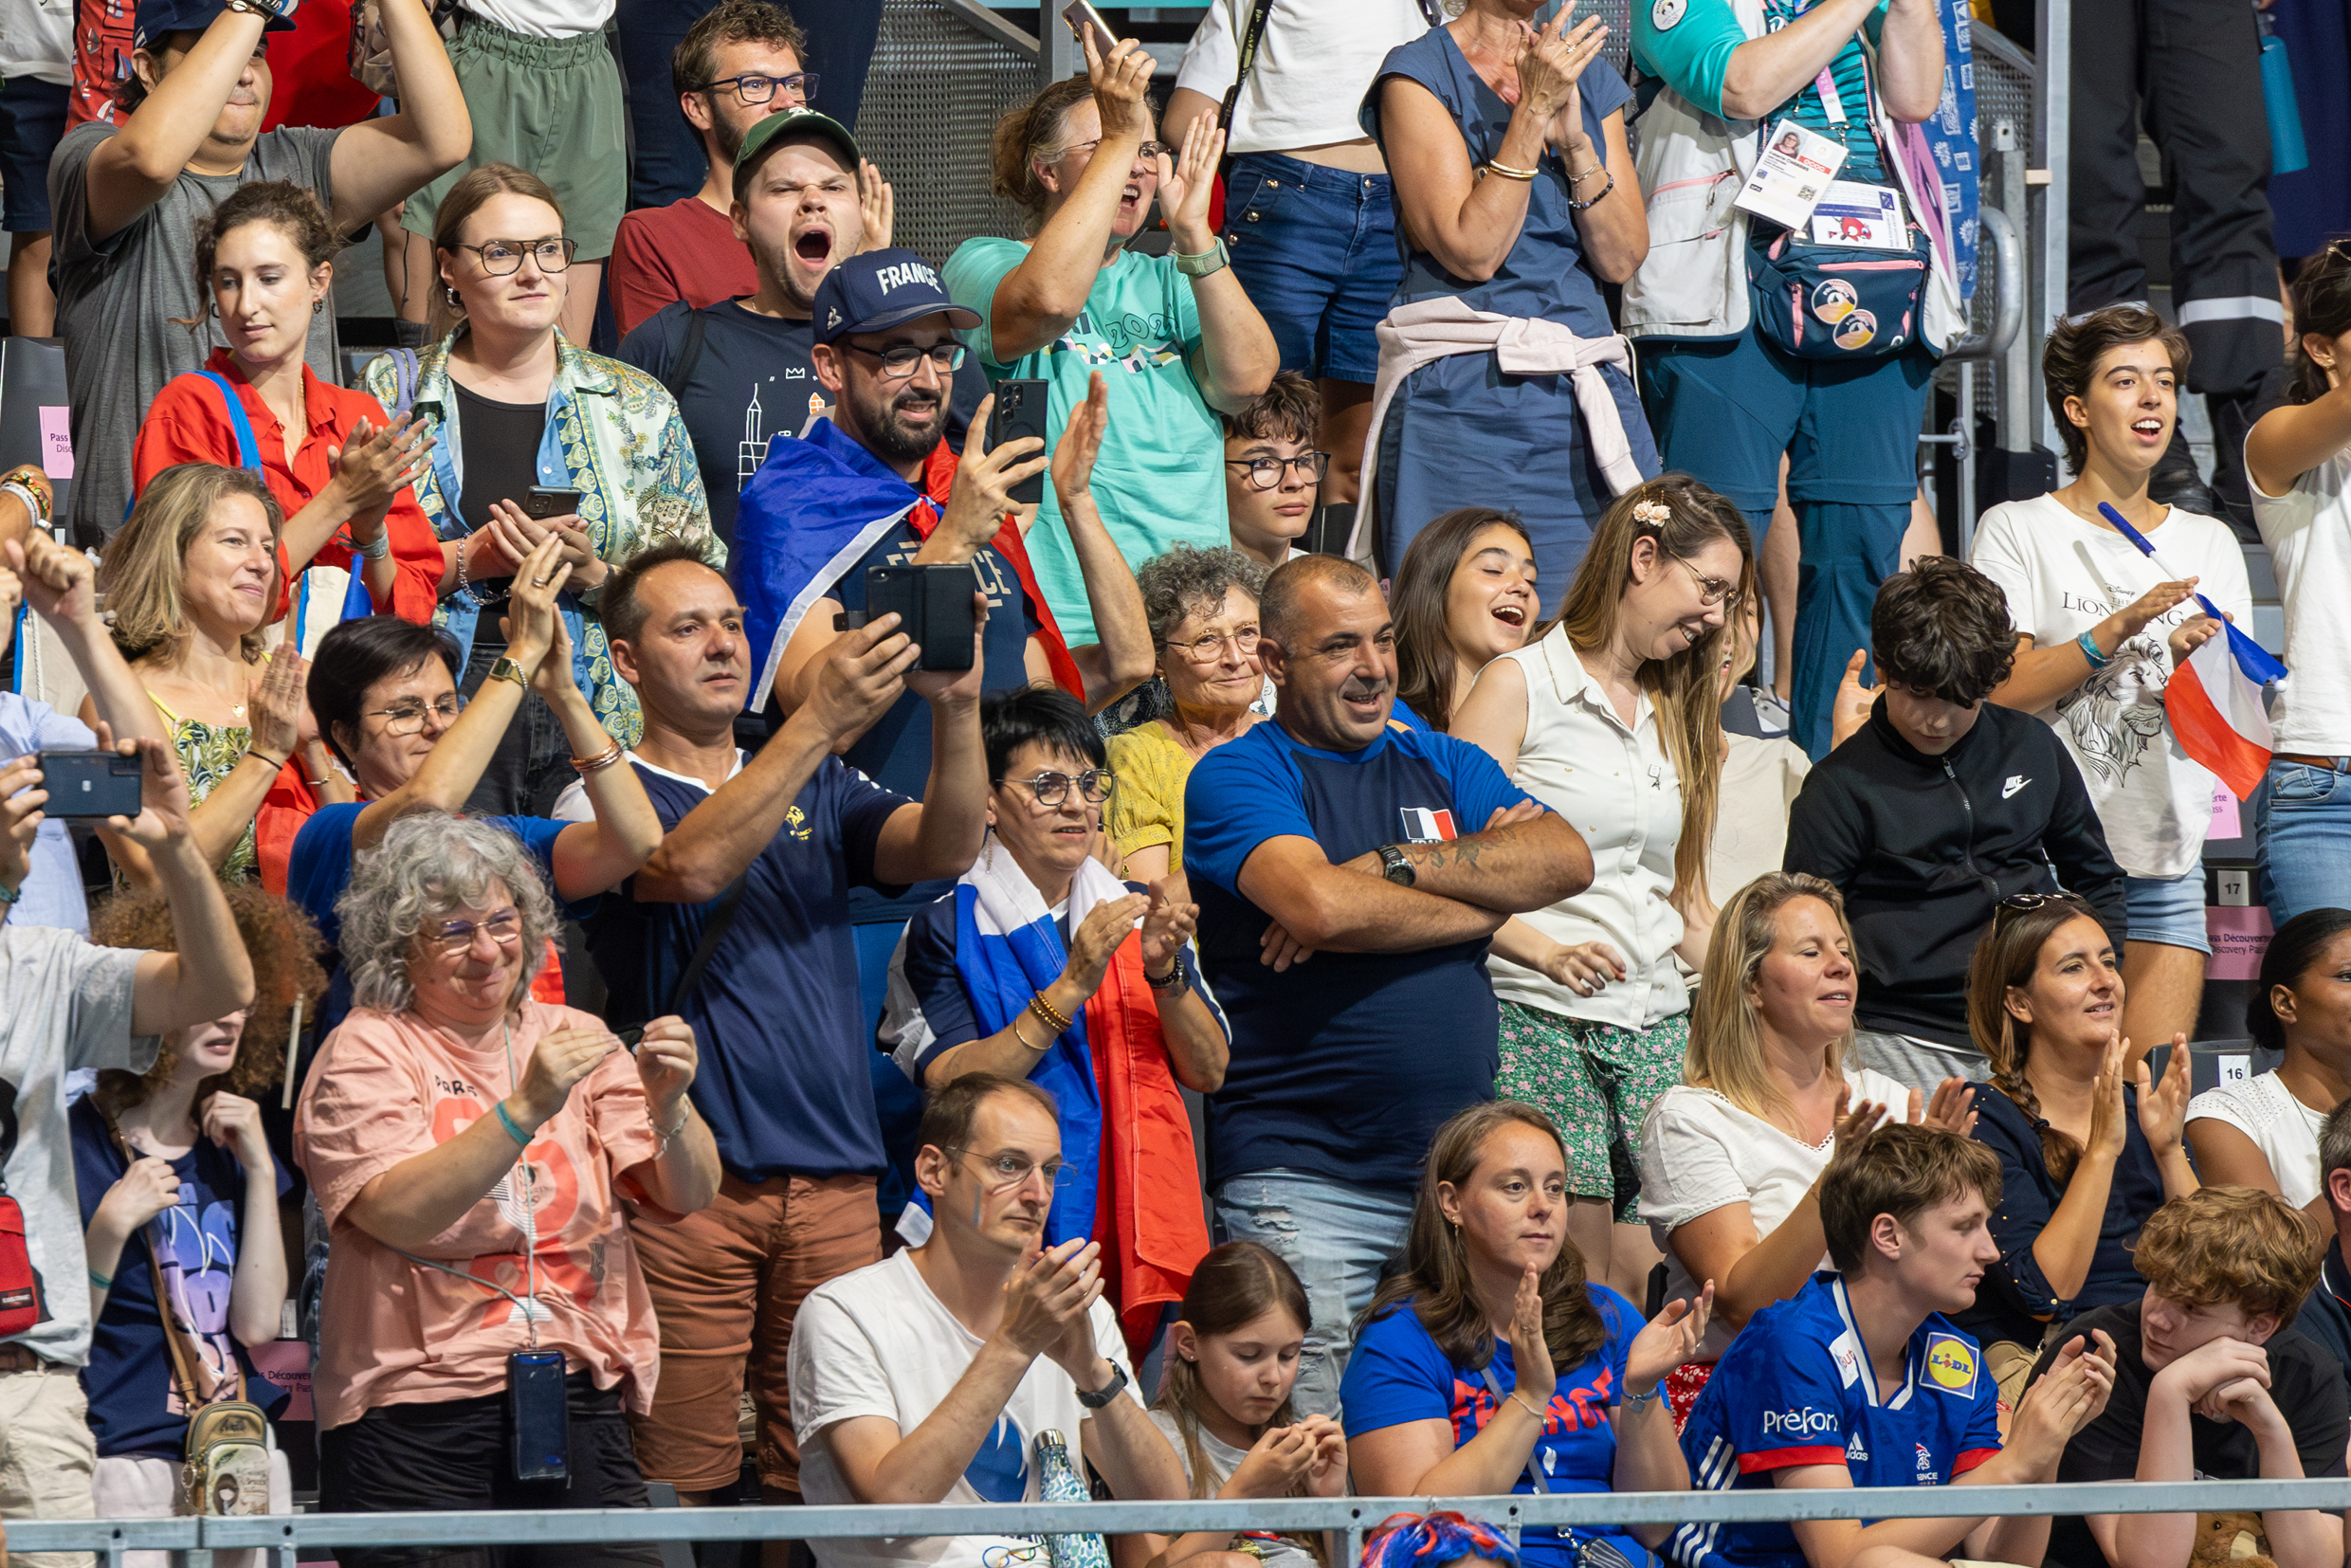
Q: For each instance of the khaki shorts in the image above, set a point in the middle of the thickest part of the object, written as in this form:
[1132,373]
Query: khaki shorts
[46,1455]
[548,105]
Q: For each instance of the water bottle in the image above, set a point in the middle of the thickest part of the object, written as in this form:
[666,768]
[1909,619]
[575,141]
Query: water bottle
[1058,1480]
[2287,153]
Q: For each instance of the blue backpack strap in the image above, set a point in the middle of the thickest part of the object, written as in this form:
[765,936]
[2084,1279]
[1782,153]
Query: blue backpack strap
[249,451]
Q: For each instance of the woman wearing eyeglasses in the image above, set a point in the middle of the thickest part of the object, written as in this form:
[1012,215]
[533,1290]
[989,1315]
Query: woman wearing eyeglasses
[478,1156]
[512,405]
[1609,717]
[2090,1143]
[385,697]
[1176,333]
[1035,968]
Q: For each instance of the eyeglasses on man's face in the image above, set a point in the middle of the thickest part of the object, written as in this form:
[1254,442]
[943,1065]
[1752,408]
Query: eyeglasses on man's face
[409,718]
[799,87]
[900,362]
[1051,788]
[1004,1171]
[502,258]
[1265,472]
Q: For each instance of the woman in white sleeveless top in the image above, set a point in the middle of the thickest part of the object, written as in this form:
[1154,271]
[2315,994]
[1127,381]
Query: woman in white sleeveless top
[1609,717]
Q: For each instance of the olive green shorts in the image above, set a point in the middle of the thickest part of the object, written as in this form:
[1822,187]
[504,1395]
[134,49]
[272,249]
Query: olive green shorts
[551,106]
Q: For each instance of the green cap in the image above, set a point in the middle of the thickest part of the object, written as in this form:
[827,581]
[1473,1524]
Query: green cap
[793,123]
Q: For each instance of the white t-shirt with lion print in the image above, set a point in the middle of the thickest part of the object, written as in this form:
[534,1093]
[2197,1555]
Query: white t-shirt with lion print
[2062,577]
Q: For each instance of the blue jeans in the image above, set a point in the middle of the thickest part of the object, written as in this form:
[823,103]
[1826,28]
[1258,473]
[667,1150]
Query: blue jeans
[1337,1238]
[1315,249]
[1726,410]
[2302,824]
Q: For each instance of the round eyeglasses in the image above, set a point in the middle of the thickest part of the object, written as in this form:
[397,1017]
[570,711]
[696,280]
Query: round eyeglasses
[409,718]
[1265,472]
[1052,788]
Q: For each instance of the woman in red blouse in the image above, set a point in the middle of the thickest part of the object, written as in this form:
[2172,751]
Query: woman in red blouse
[339,468]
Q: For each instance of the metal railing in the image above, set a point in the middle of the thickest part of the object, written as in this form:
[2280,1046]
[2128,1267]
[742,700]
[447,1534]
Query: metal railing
[1352,1516]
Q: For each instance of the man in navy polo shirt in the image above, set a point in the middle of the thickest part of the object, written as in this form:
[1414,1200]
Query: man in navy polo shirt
[784,1083]
[1860,1379]
[1390,856]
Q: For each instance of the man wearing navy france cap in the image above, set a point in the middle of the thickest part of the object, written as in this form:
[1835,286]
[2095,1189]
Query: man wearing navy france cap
[126,198]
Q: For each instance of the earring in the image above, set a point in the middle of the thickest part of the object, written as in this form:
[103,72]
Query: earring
[318,305]
[450,293]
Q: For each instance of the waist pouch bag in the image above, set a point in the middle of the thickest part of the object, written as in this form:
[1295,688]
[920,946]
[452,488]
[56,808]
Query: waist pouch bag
[1837,301]
[20,1288]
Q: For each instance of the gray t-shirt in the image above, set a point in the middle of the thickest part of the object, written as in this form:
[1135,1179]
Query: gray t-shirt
[68,1006]
[1223,1459]
[117,298]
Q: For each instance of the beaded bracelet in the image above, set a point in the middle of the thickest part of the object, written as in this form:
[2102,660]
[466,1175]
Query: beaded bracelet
[1045,1010]
[1575,206]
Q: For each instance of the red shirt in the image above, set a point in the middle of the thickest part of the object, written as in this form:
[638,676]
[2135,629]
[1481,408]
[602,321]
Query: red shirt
[187,423]
[686,250]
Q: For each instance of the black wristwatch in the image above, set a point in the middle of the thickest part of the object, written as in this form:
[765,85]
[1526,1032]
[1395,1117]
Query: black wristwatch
[1399,870]
[1095,1402]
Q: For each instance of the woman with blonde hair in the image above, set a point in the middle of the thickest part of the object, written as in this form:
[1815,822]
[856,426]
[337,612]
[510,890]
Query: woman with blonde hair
[2089,1144]
[1609,717]
[188,584]
[1732,1159]
[1562,1376]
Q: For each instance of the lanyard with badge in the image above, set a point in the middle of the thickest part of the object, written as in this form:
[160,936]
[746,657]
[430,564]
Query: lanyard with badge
[536,1401]
[1794,181]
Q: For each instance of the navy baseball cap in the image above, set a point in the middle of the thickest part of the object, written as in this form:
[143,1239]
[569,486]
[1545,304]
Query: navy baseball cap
[882,289]
[158,19]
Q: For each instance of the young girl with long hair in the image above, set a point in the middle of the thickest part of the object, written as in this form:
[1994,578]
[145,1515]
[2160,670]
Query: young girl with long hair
[1464,596]
[1225,1407]
[1611,717]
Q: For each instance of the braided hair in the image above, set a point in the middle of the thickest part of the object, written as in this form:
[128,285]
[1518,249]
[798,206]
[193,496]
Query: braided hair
[2006,955]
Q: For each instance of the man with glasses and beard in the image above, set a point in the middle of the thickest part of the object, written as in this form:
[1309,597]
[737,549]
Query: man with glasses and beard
[742,362]
[1388,856]
[875,486]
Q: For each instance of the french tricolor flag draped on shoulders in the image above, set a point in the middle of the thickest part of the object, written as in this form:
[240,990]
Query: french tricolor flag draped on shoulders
[2213,700]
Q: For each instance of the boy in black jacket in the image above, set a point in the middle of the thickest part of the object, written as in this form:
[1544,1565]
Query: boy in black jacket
[1938,808]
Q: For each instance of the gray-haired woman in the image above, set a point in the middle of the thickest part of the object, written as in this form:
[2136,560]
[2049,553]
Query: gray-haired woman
[1202,608]
[469,1146]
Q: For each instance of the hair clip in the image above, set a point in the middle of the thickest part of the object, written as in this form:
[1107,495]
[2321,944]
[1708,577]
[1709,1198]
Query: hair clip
[1656,514]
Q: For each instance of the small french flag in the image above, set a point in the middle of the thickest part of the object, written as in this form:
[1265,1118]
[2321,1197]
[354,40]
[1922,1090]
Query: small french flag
[2213,700]
[1423,825]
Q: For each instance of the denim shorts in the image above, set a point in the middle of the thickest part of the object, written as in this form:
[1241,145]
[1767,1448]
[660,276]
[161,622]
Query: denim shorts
[2168,910]
[2301,822]
[1315,249]
[32,122]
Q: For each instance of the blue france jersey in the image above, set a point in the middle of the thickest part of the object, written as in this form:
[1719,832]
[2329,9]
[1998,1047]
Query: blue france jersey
[1797,1388]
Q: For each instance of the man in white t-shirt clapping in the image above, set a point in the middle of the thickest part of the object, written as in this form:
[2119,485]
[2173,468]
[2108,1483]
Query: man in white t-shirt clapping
[929,1376]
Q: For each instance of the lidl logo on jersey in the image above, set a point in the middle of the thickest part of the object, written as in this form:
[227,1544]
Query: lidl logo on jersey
[1807,1422]
[1951,1364]
[1423,825]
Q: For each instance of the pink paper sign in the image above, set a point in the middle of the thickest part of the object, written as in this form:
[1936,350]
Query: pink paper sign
[2228,822]
[55,441]
[286,1364]
[2240,936]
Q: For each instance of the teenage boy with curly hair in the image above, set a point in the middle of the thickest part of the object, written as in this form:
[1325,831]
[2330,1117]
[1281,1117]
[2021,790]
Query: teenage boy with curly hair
[2211,1381]
[1938,808]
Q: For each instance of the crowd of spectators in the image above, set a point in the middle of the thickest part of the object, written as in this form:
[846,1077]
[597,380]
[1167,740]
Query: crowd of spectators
[603,989]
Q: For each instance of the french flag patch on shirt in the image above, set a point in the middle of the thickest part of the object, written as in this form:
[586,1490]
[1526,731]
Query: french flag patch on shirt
[1422,826]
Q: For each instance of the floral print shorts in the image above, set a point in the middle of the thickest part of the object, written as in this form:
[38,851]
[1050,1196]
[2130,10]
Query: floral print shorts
[1598,1082]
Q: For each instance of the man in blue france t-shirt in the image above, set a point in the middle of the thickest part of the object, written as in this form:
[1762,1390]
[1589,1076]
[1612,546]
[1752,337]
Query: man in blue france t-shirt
[1861,1380]
[784,1083]
[1390,856]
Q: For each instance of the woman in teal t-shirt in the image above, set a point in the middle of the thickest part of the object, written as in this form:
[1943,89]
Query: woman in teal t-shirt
[1175,336]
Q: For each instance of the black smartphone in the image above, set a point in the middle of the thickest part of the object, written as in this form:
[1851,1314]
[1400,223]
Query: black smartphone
[933,606]
[1020,411]
[543,1418]
[89,784]
[540,503]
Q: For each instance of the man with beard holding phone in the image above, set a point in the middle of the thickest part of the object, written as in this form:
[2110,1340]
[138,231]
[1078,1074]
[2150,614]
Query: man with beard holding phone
[1387,856]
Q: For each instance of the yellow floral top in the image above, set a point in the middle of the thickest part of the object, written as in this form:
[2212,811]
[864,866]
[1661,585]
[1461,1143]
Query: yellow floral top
[1147,807]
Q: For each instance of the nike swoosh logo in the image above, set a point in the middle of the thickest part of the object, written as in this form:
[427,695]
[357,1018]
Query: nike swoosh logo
[2012,786]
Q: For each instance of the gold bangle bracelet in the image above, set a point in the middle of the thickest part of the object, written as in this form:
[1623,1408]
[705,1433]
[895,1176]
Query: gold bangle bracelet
[1509,174]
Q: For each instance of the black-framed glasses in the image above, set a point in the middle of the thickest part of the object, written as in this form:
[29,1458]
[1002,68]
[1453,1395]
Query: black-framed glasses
[1007,1170]
[1210,648]
[1265,472]
[1147,150]
[1712,591]
[504,928]
[409,718]
[752,89]
[1051,788]
[503,257]
[898,364]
